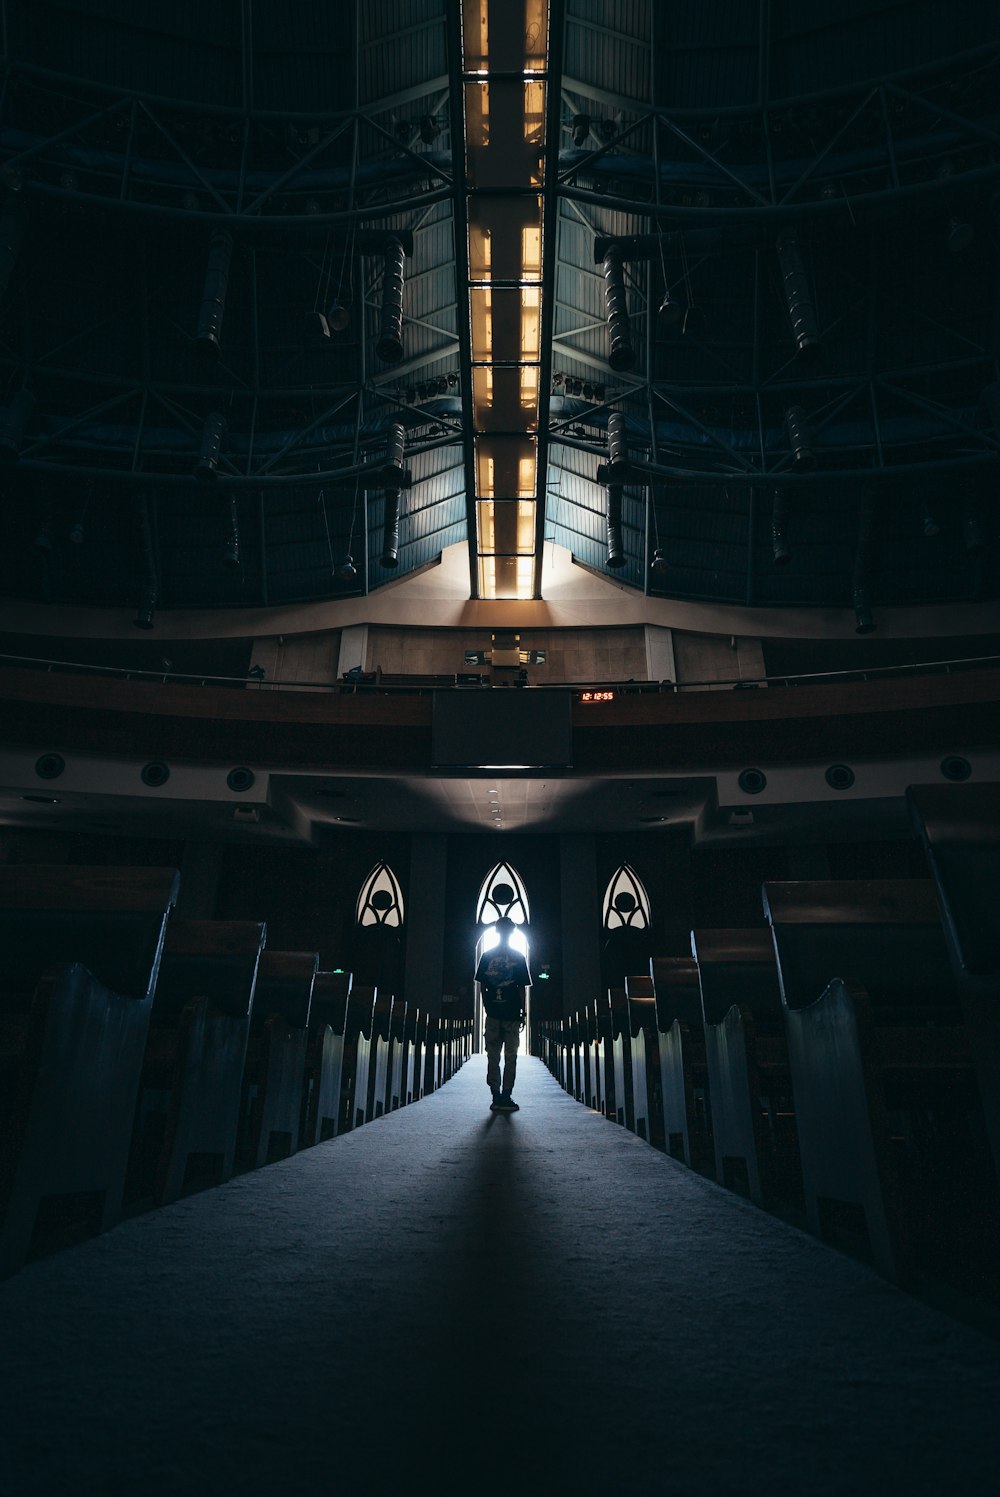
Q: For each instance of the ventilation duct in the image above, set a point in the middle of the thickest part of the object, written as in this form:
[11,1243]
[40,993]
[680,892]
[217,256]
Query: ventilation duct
[613,517]
[394,463]
[146,606]
[799,439]
[213,435]
[390,344]
[11,234]
[779,527]
[798,296]
[208,339]
[621,354]
[15,419]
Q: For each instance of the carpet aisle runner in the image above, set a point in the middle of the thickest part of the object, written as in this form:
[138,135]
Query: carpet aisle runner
[481,1302]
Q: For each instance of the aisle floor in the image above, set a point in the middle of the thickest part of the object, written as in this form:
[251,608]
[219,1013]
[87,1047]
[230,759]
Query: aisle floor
[454,1300]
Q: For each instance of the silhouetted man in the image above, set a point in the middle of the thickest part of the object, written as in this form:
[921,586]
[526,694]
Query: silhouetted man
[502,975]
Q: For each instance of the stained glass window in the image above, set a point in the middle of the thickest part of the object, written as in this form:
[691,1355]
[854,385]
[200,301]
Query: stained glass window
[381,900]
[502,893]
[626,903]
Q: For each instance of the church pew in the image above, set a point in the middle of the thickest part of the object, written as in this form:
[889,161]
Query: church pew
[958,827]
[749,1078]
[357,1054]
[324,1066]
[687,1117]
[640,1000]
[594,1057]
[378,1077]
[411,1054]
[605,1055]
[419,1062]
[621,1058]
[80,951]
[189,1099]
[396,1095]
[273,1078]
[895,1160]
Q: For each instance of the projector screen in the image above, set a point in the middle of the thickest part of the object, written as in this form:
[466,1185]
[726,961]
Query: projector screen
[508,728]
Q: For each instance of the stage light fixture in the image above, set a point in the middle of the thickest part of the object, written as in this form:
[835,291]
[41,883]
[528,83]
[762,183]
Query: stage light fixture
[338,315]
[430,129]
[670,312]
[347,571]
[581,129]
[659,561]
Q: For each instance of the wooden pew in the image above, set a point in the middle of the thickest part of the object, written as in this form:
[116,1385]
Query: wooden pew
[687,1117]
[397,1057]
[640,999]
[357,1054]
[80,951]
[188,1113]
[605,1055]
[411,1054]
[594,1068]
[621,1058]
[378,1078]
[324,1067]
[895,1160]
[273,1079]
[749,1078]
[958,827]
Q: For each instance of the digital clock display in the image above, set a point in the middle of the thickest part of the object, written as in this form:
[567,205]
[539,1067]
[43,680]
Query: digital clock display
[597,696]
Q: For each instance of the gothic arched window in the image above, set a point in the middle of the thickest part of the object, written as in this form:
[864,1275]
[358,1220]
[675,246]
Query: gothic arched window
[502,893]
[381,900]
[626,903]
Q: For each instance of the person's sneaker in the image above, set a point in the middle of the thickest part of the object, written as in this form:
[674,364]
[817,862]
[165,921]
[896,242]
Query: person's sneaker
[507,1103]
[495,1104]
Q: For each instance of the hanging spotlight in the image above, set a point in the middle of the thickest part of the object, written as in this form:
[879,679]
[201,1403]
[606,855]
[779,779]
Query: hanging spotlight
[959,234]
[231,554]
[621,354]
[338,315]
[317,330]
[429,129]
[347,571]
[208,339]
[15,419]
[607,130]
[659,561]
[390,344]
[670,311]
[581,129]
[213,435]
[797,429]
[779,523]
[798,295]
[404,131]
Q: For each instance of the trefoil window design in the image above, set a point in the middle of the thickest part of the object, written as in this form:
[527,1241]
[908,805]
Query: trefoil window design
[626,903]
[381,899]
[502,893]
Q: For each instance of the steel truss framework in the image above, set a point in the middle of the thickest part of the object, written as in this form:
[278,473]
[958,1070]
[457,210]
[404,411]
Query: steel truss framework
[699,197]
[863,176]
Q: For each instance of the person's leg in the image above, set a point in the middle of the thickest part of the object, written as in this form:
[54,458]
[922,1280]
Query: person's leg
[494,1041]
[511,1040]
